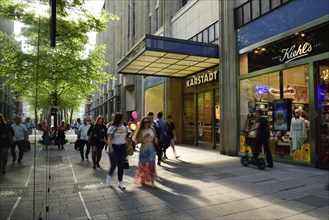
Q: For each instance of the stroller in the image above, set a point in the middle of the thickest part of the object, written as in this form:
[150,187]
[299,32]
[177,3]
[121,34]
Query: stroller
[246,159]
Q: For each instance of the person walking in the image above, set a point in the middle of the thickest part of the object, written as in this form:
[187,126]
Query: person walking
[146,135]
[6,140]
[97,138]
[61,128]
[76,125]
[117,139]
[171,135]
[20,137]
[161,132]
[29,125]
[83,137]
[45,136]
[262,138]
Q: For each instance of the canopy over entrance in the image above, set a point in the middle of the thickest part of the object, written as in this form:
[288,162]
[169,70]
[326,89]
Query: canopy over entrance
[163,56]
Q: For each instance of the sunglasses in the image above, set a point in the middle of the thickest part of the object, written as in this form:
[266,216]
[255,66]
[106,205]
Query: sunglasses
[146,122]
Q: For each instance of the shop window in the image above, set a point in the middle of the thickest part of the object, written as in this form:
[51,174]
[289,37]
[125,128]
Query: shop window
[189,120]
[278,94]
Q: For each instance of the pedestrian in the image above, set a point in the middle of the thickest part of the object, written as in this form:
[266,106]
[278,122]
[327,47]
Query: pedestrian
[131,129]
[29,125]
[171,135]
[61,128]
[6,140]
[97,138]
[45,135]
[76,125]
[146,135]
[262,138]
[83,137]
[161,132]
[117,139]
[20,137]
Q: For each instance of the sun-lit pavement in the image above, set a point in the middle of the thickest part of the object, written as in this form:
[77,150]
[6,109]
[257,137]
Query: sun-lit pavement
[201,184]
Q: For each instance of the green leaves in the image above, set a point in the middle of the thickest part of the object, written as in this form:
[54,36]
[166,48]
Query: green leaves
[36,70]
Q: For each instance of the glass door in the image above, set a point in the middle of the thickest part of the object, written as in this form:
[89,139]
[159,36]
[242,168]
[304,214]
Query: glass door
[189,119]
[323,112]
[205,118]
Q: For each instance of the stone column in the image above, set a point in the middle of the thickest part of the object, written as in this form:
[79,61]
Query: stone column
[228,79]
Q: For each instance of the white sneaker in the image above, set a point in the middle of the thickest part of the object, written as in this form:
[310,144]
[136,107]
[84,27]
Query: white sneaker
[121,185]
[108,180]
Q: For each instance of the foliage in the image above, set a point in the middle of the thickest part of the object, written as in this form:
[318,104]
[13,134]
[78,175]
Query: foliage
[65,75]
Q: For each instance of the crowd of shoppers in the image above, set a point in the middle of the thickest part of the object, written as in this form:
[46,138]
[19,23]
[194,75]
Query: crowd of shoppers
[152,136]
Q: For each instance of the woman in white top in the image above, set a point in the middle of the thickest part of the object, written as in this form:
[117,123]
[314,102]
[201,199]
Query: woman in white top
[145,134]
[117,135]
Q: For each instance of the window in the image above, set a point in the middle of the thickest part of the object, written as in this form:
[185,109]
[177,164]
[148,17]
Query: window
[150,24]
[208,35]
[246,12]
[156,19]
[275,3]
[134,20]
[255,7]
[128,21]
[211,33]
[205,36]
[265,6]
[157,15]
[200,37]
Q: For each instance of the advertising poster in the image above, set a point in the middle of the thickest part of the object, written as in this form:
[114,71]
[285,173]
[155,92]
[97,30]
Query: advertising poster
[282,114]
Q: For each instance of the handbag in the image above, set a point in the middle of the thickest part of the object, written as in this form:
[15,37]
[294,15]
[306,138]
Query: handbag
[126,165]
[27,146]
[78,144]
[129,149]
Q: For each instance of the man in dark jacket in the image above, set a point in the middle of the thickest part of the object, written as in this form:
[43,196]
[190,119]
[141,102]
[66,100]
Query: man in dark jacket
[262,138]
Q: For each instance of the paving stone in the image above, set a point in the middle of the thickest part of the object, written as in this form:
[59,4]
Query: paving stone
[202,184]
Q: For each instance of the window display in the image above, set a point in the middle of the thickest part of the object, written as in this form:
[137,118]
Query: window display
[278,94]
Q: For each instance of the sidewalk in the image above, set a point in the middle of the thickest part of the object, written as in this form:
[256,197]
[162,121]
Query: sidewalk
[201,184]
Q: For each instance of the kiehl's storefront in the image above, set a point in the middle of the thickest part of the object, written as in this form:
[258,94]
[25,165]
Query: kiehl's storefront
[285,77]
[201,108]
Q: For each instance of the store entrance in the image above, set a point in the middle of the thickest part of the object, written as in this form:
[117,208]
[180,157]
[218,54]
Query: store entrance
[208,108]
[322,67]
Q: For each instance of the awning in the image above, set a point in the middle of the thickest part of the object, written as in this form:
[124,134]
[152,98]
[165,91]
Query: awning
[163,56]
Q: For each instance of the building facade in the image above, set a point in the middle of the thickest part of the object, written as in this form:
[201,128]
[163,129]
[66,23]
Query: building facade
[196,60]
[282,69]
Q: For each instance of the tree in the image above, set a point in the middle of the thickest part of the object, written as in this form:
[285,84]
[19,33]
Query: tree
[62,76]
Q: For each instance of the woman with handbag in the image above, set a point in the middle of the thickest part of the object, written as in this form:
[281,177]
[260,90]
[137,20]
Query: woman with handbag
[97,139]
[117,139]
[146,135]
[6,140]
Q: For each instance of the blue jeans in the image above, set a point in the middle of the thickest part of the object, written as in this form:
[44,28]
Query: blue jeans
[117,158]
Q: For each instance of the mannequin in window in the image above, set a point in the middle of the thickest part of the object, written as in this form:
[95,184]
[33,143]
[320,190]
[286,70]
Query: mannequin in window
[297,130]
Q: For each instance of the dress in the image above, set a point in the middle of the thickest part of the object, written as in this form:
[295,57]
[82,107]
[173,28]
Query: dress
[146,165]
[297,132]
